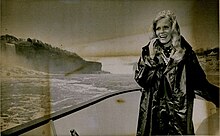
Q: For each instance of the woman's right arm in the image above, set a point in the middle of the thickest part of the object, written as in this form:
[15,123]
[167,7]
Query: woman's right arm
[139,72]
[145,73]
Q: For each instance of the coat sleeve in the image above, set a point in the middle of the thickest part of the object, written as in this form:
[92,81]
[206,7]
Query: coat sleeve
[146,73]
[139,72]
[199,83]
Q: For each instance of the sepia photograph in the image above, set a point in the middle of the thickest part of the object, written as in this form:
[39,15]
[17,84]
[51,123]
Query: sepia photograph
[109,67]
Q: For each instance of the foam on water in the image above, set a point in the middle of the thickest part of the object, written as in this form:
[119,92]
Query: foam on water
[26,98]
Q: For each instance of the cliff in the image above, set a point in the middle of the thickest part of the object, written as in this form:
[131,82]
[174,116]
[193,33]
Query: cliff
[36,55]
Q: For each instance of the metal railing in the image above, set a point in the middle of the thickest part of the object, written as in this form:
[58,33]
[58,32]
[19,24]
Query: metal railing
[57,115]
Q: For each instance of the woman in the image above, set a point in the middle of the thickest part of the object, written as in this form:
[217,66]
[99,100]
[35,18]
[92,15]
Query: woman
[170,75]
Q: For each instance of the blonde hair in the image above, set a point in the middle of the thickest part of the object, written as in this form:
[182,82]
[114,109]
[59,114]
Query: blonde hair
[175,27]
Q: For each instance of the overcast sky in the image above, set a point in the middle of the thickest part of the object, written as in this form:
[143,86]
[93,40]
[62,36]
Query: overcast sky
[106,27]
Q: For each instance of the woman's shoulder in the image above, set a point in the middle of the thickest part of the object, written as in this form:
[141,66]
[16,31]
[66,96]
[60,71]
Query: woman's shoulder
[146,46]
[185,44]
[189,52]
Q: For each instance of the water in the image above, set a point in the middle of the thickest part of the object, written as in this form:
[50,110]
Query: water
[27,98]
[24,98]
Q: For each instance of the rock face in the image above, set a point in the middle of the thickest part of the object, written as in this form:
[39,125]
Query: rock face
[36,55]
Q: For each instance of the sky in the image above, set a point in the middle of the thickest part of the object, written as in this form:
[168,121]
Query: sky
[93,28]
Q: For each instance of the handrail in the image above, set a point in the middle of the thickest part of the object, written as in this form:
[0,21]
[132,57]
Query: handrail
[57,115]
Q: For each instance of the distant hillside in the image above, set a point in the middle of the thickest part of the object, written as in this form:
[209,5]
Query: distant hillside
[208,52]
[36,55]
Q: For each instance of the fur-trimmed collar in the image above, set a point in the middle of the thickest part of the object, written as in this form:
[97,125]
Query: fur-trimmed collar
[177,53]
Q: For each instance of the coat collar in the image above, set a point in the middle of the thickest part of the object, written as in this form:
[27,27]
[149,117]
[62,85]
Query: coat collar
[177,54]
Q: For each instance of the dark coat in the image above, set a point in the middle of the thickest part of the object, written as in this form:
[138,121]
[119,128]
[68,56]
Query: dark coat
[166,104]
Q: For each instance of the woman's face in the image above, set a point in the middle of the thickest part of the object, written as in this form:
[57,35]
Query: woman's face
[164,30]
